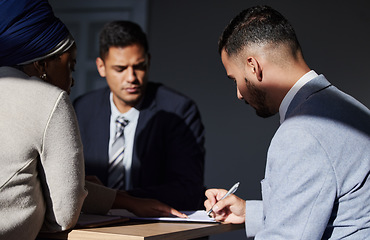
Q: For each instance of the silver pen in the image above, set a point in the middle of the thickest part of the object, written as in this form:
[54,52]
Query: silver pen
[231,191]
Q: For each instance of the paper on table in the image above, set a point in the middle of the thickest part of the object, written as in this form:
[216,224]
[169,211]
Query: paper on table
[193,216]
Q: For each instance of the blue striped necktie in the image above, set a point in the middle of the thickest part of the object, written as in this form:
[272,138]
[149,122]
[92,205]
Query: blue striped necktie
[116,171]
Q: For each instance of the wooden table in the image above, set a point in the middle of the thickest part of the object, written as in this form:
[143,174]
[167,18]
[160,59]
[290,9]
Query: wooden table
[147,230]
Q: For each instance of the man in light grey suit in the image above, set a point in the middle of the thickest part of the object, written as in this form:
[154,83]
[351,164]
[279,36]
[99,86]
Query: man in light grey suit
[316,182]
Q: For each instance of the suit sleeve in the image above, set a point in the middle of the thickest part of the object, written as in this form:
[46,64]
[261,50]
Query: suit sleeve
[99,200]
[299,188]
[62,168]
[253,217]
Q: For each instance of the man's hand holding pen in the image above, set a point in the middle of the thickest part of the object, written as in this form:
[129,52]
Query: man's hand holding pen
[230,209]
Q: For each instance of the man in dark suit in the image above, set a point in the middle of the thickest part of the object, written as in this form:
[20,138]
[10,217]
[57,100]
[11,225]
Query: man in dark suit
[163,136]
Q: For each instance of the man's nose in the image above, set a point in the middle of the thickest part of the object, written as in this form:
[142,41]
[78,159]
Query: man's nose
[131,75]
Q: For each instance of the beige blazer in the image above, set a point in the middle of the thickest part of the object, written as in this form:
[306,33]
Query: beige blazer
[41,158]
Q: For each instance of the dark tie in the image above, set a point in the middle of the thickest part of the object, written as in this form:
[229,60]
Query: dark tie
[116,171]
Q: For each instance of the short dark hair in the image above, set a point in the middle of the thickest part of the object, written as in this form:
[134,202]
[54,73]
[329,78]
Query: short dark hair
[258,25]
[121,34]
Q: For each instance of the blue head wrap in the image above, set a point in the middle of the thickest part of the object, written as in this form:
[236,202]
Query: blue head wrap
[29,31]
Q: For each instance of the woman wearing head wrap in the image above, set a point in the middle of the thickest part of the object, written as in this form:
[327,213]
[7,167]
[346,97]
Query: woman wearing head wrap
[33,39]
[41,161]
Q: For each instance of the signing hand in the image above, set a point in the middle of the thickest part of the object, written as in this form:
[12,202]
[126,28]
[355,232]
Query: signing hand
[230,210]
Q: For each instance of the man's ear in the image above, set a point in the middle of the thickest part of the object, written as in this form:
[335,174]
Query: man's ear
[100,66]
[254,66]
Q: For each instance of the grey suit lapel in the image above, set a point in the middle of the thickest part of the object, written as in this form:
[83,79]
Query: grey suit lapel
[312,87]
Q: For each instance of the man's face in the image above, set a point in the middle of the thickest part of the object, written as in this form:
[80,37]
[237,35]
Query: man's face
[126,72]
[247,86]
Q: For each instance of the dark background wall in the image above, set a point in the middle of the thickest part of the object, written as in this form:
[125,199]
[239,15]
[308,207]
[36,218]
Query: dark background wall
[183,36]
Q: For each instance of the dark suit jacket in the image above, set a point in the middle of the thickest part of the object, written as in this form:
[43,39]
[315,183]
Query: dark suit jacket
[168,154]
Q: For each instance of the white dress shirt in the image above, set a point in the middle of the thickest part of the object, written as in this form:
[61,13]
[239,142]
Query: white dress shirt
[132,116]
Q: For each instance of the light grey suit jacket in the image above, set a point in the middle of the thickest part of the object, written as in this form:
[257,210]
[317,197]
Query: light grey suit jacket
[316,182]
[41,158]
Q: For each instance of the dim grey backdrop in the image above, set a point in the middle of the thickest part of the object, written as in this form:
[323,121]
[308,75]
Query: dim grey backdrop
[183,36]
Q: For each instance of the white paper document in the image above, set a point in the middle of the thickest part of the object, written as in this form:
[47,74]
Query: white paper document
[193,216]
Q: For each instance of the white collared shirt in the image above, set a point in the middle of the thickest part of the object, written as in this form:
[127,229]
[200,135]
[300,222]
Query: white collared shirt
[293,91]
[133,116]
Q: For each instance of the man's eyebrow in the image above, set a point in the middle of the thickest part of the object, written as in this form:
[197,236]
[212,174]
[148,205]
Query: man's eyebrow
[119,66]
[141,61]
